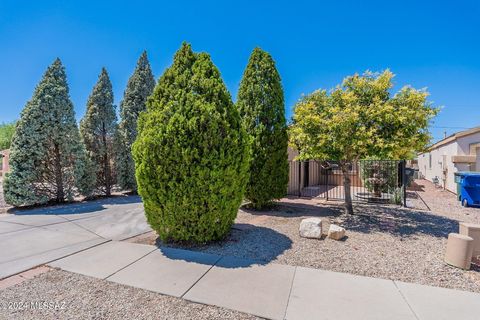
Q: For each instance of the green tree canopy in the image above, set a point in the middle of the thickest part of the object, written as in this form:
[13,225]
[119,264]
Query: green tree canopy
[47,158]
[262,108]
[6,134]
[139,88]
[361,119]
[98,129]
[191,153]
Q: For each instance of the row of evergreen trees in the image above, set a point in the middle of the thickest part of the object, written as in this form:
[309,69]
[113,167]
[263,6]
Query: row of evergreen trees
[52,160]
[196,155]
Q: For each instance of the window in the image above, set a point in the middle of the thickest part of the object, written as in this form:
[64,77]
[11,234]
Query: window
[430,161]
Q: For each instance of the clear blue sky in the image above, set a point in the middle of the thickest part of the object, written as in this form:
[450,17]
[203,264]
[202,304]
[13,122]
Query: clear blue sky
[434,44]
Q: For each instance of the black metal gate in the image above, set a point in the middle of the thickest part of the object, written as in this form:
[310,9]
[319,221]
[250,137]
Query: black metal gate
[370,180]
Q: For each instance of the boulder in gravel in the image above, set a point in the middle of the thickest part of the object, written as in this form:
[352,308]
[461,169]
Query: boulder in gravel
[311,228]
[336,232]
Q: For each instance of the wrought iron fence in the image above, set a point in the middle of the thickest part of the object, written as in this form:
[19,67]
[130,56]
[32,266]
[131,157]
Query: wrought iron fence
[370,180]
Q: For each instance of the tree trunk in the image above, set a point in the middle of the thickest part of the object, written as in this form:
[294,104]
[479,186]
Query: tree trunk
[106,164]
[347,188]
[60,196]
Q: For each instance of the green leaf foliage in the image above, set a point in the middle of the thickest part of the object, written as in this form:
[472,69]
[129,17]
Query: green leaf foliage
[139,88]
[262,108]
[191,153]
[47,158]
[98,129]
[6,134]
[361,119]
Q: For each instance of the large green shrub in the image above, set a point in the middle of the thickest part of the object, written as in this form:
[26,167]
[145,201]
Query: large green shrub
[139,88]
[191,153]
[47,158]
[262,108]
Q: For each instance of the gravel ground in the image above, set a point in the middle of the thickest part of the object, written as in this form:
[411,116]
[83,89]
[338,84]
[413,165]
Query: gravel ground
[441,202]
[383,241]
[81,297]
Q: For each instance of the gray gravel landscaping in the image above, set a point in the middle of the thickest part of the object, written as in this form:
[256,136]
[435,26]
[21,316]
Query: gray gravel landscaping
[425,196]
[80,297]
[382,241]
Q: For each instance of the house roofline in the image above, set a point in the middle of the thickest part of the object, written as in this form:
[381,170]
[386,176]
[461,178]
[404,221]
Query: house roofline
[452,138]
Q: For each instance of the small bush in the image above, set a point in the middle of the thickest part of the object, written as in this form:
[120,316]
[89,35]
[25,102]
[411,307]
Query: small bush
[397,195]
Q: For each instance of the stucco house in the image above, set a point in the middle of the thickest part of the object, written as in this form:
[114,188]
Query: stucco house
[4,168]
[455,153]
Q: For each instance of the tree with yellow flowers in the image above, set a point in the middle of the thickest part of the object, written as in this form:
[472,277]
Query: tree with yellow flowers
[361,119]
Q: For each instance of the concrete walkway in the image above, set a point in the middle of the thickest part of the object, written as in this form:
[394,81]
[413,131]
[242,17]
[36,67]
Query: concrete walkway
[272,291]
[29,238]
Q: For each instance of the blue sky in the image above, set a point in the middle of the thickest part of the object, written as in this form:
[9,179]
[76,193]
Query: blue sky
[433,44]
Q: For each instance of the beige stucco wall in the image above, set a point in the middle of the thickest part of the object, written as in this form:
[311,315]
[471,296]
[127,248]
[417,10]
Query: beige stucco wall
[442,165]
[4,168]
[292,153]
[465,142]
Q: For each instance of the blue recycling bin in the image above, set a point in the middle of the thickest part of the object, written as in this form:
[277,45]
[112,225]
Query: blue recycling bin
[468,187]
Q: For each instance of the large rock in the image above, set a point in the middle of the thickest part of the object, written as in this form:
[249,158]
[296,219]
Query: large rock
[336,232]
[311,228]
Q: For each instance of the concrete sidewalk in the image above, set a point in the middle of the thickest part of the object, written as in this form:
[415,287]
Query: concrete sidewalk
[272,291]
[29,238]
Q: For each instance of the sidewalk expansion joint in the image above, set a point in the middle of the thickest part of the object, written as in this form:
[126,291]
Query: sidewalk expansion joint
[203,275]
[290,292]
[405,299]
[128,265]
[81,227]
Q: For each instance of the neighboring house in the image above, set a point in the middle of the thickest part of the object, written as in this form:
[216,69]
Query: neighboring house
[4,168]
[455,153]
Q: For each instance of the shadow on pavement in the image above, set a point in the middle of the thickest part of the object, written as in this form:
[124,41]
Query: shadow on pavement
[248,244]
[75,207]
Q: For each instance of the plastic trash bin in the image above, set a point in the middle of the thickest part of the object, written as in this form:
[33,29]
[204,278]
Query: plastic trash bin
[468,188]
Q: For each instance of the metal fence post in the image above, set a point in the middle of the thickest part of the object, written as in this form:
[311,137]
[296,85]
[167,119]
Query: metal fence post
[299,178]
[404,183]
[328,171]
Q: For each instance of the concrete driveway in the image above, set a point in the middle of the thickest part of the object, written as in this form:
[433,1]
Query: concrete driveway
[29,238]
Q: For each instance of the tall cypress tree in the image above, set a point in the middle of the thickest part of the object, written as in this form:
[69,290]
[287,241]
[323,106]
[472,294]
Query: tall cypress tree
[262,107]
[191,153]
[47,157]
[98,129]
[139,88]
